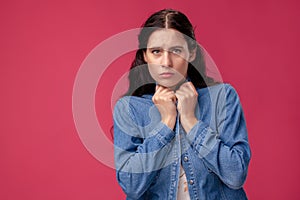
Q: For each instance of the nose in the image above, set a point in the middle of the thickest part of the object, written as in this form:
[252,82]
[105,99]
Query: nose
[166,59]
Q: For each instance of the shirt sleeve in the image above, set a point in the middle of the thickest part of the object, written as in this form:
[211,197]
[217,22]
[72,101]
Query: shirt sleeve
[225,151]
[138,159]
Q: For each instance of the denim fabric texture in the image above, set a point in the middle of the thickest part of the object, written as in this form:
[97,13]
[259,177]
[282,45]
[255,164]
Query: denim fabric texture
[215,154]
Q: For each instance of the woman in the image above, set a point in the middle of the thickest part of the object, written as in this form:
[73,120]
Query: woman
[177,134]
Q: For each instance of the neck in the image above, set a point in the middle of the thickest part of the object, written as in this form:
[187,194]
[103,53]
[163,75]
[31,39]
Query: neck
[176,87]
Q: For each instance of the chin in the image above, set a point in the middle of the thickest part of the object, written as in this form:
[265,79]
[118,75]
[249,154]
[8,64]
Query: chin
[169,84]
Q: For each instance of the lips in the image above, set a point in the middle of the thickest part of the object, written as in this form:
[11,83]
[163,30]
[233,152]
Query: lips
[166,74]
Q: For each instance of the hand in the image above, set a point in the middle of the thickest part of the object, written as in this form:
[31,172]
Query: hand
[165,99]
[187,99]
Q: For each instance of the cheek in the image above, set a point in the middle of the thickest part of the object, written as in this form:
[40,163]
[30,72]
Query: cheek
[153,70]
[182,67]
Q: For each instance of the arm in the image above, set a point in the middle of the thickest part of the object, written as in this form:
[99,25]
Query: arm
[225,152]
[138,159]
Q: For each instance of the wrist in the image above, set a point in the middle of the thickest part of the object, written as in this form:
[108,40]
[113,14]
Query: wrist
[169,121]
[188,122]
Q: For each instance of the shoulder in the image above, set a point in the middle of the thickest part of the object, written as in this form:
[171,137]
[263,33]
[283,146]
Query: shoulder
[217,89]
[220,95]
[134,100]
[132,111]
[227,98]
[132,103]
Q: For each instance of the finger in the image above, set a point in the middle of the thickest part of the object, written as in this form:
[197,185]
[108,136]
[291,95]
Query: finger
[179,94]
[170,95]
[156,87]
[188,87]
[174,98]
[166,91]
[190,84]
[159,89]
[162,93]
[184,93]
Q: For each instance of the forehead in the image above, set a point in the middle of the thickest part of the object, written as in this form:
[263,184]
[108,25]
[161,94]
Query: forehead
[166,38]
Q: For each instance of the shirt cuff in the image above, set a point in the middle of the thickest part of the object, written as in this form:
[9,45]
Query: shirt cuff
[202,138]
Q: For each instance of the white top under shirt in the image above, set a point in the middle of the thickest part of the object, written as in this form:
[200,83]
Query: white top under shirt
[183,191]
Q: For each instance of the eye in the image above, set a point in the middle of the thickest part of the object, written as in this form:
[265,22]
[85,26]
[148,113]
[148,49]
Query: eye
[176,51]
[155,51]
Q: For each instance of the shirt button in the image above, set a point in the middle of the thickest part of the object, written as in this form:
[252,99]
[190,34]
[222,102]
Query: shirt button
[191,182]
[185,158]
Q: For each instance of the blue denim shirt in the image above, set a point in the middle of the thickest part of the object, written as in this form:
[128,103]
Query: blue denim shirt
[215,153]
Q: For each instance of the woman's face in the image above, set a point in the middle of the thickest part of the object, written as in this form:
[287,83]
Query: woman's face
[167,56]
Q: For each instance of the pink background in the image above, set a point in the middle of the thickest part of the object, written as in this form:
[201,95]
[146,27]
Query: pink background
[43,43]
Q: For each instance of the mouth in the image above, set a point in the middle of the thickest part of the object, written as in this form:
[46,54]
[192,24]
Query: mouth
[166,74]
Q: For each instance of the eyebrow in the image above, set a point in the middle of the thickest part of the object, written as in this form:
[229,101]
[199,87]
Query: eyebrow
[173,47]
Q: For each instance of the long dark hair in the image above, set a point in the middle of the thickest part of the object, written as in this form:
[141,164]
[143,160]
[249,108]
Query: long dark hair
[140,80]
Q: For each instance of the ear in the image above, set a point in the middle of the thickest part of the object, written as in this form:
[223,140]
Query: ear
[192,55]
[145,56]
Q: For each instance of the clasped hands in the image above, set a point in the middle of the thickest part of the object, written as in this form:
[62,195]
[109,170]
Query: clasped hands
[183,101]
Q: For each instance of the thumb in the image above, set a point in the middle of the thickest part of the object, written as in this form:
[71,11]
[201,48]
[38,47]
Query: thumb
[156,87]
